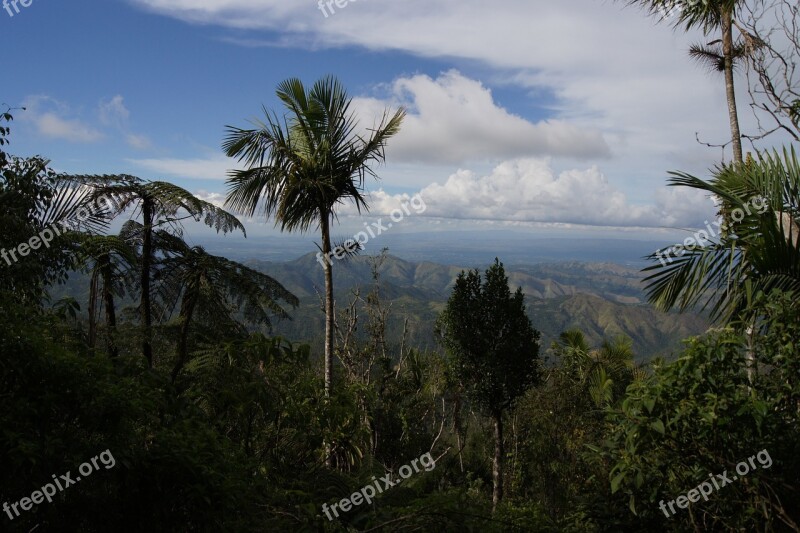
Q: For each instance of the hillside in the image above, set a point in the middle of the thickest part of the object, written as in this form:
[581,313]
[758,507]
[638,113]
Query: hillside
[602,299]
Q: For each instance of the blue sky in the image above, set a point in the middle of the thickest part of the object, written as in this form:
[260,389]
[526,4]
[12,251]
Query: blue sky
[523,114]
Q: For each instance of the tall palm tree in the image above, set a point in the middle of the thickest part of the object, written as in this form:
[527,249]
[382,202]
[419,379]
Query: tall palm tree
[109,259]
[709,16]
[302,166]
[757,249]
[213,289]
[158,203]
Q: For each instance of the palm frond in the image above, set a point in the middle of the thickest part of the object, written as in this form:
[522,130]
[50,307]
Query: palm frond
[301,167]
[711,56]
[688,14]
[758,250]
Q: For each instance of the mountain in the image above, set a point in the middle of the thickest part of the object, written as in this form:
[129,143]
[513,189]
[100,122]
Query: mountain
[602,299]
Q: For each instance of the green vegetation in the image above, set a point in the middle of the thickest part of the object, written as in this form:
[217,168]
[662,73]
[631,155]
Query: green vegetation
[218,424]
[493,350]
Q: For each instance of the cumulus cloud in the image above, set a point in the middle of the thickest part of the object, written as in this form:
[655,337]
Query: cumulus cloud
[529,190]
[454,119]
[52,119]
[599,73]
[520,191]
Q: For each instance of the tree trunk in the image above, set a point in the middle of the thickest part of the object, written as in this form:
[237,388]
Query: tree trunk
[727,51]
[93,290]
[187,310]
[147,258]
[327,266]
[497,467]
[458,430]
[108,302]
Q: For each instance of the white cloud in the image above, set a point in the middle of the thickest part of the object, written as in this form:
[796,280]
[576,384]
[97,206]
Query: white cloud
[51,119]
[554,44]
[53,126]
[140,142]
[56,120]
[529,190]
[519,191]
[454,119]
[114,113]
[218,199]
[211,168]
[609,69]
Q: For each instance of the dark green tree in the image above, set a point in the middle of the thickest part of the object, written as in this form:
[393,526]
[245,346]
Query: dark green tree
[493,349]
[214,291]
[110,261]
[39,211]
[159,204]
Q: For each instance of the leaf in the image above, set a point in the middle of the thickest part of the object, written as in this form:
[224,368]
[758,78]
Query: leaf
[616,482]
[649,403]
[658,426]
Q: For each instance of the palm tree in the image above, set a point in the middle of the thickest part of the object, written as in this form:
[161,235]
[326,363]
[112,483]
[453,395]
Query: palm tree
[302,166]
[708,15]
[159,203]
[111,260]
[757,250]
[213,289]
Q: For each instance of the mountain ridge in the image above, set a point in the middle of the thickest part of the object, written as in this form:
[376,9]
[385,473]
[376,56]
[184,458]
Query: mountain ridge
[602,299]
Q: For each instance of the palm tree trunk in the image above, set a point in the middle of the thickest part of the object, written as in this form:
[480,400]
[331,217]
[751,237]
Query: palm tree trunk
[327,266]
[108,302]
[147,252]
[727,52]
[497,466]
[328,269]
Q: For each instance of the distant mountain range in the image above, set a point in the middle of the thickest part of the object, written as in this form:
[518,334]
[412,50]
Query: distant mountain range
[602,299]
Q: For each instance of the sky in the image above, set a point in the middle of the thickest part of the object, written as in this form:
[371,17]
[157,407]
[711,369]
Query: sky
[547,117]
